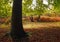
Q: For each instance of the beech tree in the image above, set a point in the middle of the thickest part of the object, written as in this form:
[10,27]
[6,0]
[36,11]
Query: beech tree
[17,30]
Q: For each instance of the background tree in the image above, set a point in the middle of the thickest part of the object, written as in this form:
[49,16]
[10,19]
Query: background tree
[57,5]
[5,8]
[29,8]
[25,6]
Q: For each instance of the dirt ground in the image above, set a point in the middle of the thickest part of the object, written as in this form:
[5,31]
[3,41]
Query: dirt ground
[38,32]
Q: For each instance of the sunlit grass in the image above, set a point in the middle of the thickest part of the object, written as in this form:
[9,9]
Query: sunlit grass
[36,25]
[31,25]
[5,26]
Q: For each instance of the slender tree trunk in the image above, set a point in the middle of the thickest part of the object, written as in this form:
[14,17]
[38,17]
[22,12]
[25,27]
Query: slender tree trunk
[17,31]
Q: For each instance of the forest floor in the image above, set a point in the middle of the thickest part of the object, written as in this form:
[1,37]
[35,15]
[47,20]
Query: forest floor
[37,31]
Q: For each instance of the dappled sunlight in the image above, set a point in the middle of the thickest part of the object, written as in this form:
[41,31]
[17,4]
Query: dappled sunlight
[40,25]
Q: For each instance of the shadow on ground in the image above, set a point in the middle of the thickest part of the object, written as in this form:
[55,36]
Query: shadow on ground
[35,35]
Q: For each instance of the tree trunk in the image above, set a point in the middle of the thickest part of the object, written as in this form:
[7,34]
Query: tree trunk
[17,31]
